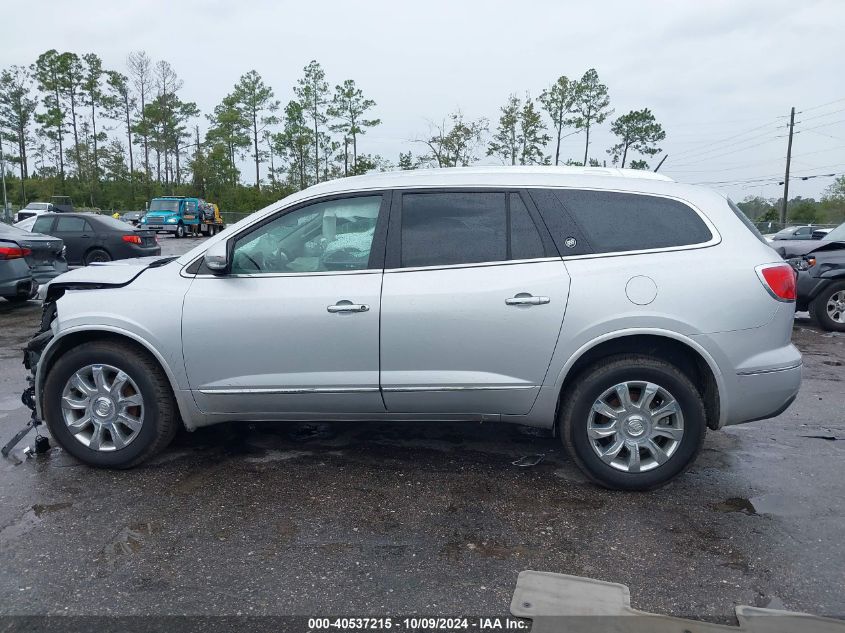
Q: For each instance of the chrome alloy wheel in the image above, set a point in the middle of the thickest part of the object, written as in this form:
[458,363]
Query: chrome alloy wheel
[102,407]
[836,306]
[635,426]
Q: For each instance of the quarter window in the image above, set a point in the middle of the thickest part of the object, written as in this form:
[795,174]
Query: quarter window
[613,222]
[42,225]
[332,235]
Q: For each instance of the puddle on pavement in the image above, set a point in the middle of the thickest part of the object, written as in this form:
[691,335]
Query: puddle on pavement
[774,505]
[29,520]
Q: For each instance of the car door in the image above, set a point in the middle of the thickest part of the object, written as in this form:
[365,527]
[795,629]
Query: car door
[77,235]
[293,326]
[473,299]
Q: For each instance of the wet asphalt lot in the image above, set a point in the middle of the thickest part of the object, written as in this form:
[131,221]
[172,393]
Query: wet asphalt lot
[381,519]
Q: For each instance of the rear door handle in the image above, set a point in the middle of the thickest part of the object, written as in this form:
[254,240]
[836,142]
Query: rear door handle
[524,299]
[348,306]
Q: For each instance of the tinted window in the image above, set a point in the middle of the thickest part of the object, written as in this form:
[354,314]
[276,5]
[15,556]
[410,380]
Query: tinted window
[42,225]
[525,240]
[613,222]
[68,225]
[439,229]
[332,235]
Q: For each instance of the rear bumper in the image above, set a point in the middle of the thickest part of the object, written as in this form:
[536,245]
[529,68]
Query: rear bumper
[764,395]
[18,287]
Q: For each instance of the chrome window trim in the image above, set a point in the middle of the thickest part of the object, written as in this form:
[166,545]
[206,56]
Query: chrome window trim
[715,239]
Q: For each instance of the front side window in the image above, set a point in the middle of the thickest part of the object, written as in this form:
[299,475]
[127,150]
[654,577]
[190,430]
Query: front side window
[335,235]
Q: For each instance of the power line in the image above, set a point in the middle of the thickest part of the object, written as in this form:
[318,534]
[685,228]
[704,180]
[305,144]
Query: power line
[739,149]
[821,116]
[822,105]
[729,138]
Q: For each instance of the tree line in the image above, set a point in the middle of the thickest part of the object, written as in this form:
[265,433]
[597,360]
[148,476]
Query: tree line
[830,209]
[116,138]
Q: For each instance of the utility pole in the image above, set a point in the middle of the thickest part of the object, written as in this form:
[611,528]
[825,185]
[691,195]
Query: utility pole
[3,169]
[788,160]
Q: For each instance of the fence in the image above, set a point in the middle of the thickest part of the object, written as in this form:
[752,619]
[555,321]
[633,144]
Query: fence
[767,228]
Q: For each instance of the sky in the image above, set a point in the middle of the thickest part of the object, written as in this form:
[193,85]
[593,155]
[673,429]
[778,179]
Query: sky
[720,76]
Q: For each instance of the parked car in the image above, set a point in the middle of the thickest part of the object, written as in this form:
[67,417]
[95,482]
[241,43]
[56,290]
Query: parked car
[57,204]
[93,238]
[586,301]
[794,233]
[27,260]
[34,209]
[795,248]
[821,286]
[133,217]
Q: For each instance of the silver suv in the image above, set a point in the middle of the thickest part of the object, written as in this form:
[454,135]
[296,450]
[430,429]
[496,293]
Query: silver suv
[624,311]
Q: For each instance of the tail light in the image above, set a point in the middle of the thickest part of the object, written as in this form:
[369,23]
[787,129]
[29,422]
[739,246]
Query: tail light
[132,239]
[14,252]
[779,280]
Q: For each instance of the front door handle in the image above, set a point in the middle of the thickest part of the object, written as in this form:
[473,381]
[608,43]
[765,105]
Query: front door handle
[348,306]
[525,299]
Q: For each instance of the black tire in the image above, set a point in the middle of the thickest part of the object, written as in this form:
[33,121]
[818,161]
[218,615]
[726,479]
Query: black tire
[160,421]
[578,400]
[818,308]
[180,230]
[97,255]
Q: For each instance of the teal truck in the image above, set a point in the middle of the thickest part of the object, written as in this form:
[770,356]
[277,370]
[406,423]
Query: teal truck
[181,216]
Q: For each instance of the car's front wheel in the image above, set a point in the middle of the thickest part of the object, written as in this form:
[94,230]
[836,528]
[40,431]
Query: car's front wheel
[109,404]
[632,422]
[180,230]
[828,309]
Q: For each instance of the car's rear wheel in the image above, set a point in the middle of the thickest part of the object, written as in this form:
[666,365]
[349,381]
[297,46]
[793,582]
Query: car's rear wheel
[828,309]
[109,404]
[632,422]
[97,255]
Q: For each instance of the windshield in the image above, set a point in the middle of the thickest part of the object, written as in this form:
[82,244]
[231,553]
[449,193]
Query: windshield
[165,205]
[836,235]
[37,206]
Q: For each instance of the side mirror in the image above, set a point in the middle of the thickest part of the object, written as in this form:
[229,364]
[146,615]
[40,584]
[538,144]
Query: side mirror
[216,258]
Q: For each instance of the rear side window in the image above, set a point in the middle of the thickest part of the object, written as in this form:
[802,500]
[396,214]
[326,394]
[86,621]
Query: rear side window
[442,229]
[69,225]
[525,241]
[617,222]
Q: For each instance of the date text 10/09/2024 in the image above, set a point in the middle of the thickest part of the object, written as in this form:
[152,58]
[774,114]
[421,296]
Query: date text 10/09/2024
[418,623]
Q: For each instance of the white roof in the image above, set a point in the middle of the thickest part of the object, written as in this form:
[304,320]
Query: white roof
[609,177]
